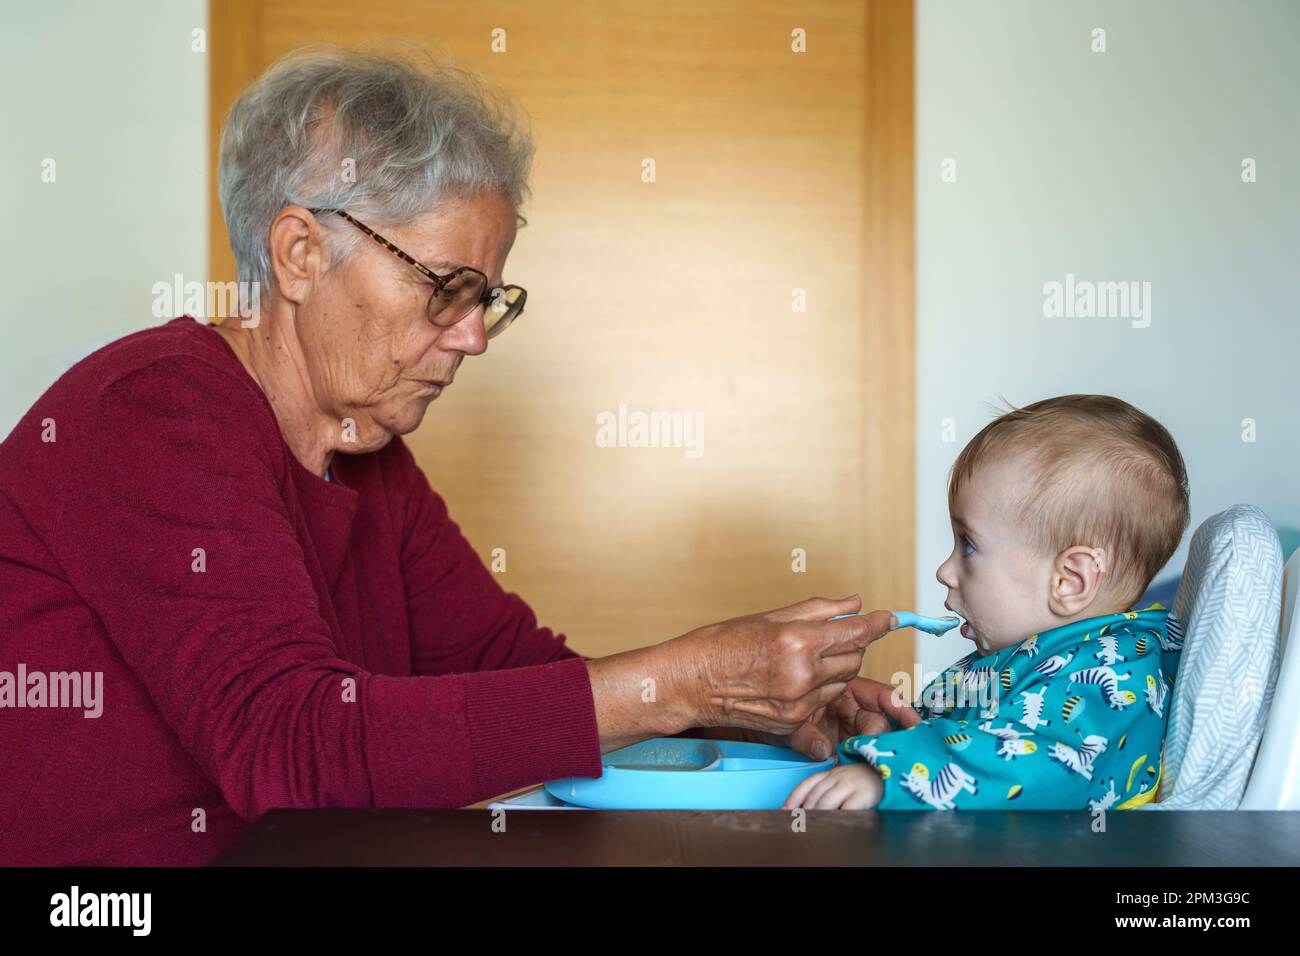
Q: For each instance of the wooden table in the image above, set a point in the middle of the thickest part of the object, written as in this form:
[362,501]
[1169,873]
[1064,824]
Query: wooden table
[764,838]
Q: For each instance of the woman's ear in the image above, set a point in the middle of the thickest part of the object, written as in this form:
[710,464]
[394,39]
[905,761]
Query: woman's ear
[296,254]
[1076,579]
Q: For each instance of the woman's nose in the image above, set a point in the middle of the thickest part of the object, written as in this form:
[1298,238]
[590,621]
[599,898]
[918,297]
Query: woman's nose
[468,335]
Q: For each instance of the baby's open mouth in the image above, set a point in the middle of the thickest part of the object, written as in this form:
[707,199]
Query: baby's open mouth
[965,629]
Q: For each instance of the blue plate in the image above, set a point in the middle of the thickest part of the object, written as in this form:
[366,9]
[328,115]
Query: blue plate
[673,773]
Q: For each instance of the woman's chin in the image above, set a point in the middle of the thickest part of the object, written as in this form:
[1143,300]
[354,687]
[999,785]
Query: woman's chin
[407,417]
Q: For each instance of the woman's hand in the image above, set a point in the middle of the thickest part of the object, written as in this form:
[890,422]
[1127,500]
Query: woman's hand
[772,672]
[863,708]
[850,786]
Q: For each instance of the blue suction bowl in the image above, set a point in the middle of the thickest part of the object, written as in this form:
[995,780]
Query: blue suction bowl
[671,773]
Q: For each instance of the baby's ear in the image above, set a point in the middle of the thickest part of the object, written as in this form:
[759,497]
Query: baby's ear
[1077,577]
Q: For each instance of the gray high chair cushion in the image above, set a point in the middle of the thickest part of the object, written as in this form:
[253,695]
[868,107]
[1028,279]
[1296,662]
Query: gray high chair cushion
[1228,606]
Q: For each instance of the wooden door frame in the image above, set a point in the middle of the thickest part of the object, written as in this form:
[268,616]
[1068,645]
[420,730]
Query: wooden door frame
[889,459]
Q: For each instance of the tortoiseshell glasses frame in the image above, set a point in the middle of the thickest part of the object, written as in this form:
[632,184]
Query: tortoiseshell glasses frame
[457,293]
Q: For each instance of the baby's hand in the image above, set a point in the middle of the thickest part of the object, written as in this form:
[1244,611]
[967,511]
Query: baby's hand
[850,786]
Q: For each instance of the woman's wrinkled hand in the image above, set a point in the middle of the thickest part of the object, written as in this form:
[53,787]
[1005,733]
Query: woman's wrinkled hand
[865,707]
[772,672]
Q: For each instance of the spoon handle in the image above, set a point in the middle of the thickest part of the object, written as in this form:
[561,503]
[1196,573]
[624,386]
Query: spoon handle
[931,625]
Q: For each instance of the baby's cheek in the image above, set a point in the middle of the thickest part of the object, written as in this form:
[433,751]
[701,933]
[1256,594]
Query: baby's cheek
[992,610]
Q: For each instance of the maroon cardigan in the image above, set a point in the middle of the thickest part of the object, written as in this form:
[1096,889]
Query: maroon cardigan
[343,647]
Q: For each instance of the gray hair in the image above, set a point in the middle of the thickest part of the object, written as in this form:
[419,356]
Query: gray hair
[387,137]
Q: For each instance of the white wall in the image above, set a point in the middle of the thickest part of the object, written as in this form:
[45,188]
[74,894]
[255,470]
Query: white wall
[1123,165]
[113,94]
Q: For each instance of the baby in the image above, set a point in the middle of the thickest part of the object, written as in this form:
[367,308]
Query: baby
[1062,512]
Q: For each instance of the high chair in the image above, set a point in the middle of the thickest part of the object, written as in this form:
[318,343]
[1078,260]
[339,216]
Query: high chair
[1228,610]
[1275,779]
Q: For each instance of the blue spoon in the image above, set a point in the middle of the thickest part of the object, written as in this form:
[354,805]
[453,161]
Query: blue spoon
[931,625]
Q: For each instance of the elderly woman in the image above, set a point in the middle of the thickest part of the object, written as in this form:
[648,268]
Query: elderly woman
[216,537]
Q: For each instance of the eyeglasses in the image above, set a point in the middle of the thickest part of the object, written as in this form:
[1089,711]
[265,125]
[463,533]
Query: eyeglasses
[457,293]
